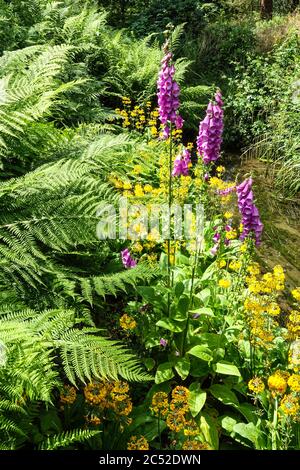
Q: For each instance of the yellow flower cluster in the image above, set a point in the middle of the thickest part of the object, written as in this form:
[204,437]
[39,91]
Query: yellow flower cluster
[293,325]
[160,404]
[277,383]
[289,405]
[93,420]
[235,265]
[138,117]
[224,283]
[256,385]
[195,445]
[217,184]
[191,428]
[127,322]
[175,411]
[68,395]
[109,395]
[261,305]
[222,263]
[296,294]
[294,382]
[176,420]
[138,443]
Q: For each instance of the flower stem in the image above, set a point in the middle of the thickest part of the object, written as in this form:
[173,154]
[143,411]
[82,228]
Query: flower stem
[190,299]
[274,425]
[170,204]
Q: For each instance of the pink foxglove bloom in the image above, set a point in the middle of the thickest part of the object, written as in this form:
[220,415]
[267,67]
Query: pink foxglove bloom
[225,192]
[168,96]
[163,342]
[210,131]
[181,164]
[127,260]
[249,212]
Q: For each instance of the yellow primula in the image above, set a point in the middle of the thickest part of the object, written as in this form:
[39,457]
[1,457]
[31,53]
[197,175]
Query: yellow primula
[256,385]
[224,283]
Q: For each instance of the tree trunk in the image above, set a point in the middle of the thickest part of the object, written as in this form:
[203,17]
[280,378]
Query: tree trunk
[266,9]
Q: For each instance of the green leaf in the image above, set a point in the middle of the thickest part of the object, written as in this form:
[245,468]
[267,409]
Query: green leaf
[226,368]
[202,352]
[148,293]
[182,367]
[228,423]
[204,295]
[197,398]
[208,273]
[164,372]
[249,411]
[183,305]
[179,289]
[170,325]
[209,429]
[163,263]
[224,394]
[149,363]
[248,431]
[204,311]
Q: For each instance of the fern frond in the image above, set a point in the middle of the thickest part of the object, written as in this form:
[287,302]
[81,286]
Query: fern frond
[65,439]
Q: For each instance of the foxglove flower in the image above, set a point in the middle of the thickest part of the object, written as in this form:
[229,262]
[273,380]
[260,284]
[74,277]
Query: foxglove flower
[210,131]
[225,192]
[127,260]
[216,237]
[181,164]
[163,342]
[168,96]
[249,212]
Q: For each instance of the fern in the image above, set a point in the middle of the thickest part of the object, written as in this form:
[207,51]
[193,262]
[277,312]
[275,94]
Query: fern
[66,438]
[41,349]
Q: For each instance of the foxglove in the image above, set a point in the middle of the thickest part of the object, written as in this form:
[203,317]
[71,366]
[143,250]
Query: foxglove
[210,131]
[249,212]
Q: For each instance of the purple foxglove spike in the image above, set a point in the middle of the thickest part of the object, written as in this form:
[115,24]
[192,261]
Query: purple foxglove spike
[127,260]
[214,249]
[249,212]
[168,96]
[216,237]
[225,192]
[181,164]
[210,131]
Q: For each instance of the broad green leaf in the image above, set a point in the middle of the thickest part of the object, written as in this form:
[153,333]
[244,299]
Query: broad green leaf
[179,289]
[149,363]
[208,273]
[228,423]
[202,352]
[183,305]
[226,368]
[224,394]
[203,311]
[182,367]
[182,259]
[170,325]
[197,398]
[249,411]
[248,431]
[204,295]
[164,372]
[148,293]
[209,429]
